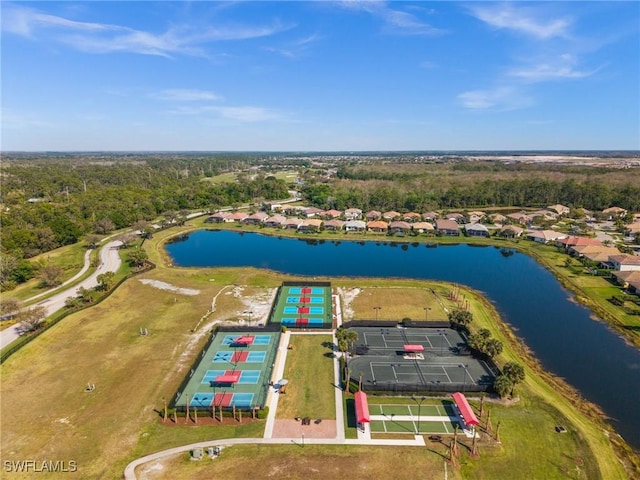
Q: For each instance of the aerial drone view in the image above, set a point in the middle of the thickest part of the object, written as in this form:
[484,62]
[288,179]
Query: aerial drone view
[303,239]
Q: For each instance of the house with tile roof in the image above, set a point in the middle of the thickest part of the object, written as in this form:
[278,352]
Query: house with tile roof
[377,226]
[447,227]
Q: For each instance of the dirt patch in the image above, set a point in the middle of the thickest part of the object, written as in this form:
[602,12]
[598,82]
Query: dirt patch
[295,429]
[348,295]
[169,287]
[255,307]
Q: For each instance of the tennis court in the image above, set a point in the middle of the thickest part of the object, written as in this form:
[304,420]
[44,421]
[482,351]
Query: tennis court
[416,359]
[234,369]
[303,306]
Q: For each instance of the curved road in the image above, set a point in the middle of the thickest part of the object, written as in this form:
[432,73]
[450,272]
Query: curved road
[109,262]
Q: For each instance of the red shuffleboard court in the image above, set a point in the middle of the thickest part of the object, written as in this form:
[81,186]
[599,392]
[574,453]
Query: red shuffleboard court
[302,322]
[238,357]
[305,300]
[306,290]
[222,399]
[303,310]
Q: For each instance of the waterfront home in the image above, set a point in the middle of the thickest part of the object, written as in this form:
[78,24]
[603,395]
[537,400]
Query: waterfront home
[624,262]
[476,230]
[355,226]
[545,236]
[334,225]
[423,227]
[277,221]
[292,223]
[311,225]
[256,219]
[510,231]
[219,217]
[447,227]
[377,226]
[400,227]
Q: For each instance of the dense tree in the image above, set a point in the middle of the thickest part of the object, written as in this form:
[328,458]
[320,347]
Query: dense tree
[503,385]
[460,317]
[50,275]
[345,337]
[30,319]
[137,257]
[105,280]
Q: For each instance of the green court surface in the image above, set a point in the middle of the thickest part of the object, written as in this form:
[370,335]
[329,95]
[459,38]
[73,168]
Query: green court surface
[303,305]
[425,410]
[234,370]
[391,426]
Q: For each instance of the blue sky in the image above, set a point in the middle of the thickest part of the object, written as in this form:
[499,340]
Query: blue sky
[350,75]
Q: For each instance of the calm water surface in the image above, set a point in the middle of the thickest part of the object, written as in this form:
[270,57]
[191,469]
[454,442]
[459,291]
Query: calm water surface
[561,333]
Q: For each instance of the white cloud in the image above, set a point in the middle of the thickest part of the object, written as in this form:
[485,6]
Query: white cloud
[186,95]
[396,21]
[245,114]
[296,48]
[561,67]
[500,98]
[93,37]
[522,19]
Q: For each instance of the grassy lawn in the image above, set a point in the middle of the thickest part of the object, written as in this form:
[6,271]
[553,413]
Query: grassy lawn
[310,392]
[311,462]
[398,303]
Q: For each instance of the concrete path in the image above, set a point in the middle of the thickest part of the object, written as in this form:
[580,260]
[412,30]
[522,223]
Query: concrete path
[109,262]
[276,374]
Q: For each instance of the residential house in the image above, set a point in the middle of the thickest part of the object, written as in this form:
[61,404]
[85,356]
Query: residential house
[456,217]
[329,214]
[352,214]
[614,212]
[625,263]
[277,221]
[589,250]
[447,227]
[559,209]
[423,227]
[430,216]
[545,236]
[411,217]
[312,212]
[292,223]
[520,217]
[547,215]
[476,230]
[311,225]
[219,217]
[295,210]
[632,228]
[629,280]
[355,226]
[238,216]
[510,231]
[377,226]
[475,217]
[497,218]
[274,207]
[574,241]
[373,215]
[400,227]
[334,225]
[256,219]
[391,215]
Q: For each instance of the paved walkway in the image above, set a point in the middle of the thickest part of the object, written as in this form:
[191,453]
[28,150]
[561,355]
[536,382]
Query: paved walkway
[109,262]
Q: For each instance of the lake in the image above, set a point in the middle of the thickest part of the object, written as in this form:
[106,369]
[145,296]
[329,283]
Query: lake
[561,333]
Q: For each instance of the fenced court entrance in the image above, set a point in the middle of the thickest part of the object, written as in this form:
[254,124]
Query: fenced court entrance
[303,306]
[409,359]
[233,371]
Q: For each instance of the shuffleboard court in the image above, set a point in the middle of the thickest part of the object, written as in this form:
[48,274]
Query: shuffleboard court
[303,306]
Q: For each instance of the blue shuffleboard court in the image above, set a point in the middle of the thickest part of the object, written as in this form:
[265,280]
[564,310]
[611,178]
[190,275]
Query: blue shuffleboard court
[299,300]
[290,310]
[242,399]
[201,400]
[223,357]
[211,375]
[256,357]
[316,310]
[250,376]
[298,290]
[295,290]
[295,300]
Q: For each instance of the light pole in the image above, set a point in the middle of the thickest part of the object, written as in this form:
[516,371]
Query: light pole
[464,376]
[426,310]
[377,309]
[419,402]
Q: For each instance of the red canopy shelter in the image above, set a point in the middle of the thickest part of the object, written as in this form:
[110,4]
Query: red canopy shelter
[413,348]
[465,409]
[362,407]
[244,340]
[229,377]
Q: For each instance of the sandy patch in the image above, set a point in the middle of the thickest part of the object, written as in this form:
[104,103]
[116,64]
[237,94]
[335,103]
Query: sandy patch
[169,287]
[295,429]
[255,308]
[348,295]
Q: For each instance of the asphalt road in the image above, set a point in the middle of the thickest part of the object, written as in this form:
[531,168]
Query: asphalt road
[109,262]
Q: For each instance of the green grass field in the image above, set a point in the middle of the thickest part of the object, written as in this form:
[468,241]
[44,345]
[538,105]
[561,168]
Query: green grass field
[310,392]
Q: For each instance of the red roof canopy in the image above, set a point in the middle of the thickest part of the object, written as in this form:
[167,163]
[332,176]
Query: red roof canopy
[229,377]
[465,409]
[413,348]
[362,407]
[244,340]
